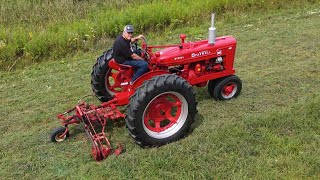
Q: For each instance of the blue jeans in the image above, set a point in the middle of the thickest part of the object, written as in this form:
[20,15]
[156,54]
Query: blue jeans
[140,66]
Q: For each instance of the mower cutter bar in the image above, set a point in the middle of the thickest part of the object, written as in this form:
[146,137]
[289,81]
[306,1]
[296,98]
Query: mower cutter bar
[94,119]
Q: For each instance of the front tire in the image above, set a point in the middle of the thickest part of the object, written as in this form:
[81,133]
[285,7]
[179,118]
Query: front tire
[161,110]
[225,88]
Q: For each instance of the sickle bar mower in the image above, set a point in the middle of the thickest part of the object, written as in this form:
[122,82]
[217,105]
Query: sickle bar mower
[93,118]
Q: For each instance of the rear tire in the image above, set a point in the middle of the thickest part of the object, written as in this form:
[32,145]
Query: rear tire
[98,77]
[161,110]
[225,88]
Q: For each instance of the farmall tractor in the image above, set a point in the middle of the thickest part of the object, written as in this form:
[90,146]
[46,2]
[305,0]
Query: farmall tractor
[161,104]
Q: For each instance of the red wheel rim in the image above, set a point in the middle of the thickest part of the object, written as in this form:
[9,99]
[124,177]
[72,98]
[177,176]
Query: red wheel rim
[229,90]
[60,137]
[113,84]
[165,115]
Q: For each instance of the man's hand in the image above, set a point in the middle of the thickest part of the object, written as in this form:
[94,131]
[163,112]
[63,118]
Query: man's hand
[140,36]
[135,39]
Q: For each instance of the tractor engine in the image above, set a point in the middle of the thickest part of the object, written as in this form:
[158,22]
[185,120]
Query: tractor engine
[201,61]
[198,62]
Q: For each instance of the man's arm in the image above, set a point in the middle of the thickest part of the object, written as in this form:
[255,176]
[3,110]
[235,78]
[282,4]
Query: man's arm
[135,39]
[134,55]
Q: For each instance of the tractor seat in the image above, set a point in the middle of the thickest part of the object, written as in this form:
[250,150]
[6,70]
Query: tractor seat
[120,67]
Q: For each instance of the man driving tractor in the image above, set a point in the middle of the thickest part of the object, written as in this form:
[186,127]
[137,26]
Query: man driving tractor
[123,54]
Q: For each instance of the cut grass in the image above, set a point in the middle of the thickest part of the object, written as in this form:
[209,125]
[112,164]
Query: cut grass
[271,131]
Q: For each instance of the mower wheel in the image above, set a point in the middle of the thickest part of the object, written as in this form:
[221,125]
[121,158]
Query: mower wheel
[225,88]
[57,134]
[161,110]
[99,77]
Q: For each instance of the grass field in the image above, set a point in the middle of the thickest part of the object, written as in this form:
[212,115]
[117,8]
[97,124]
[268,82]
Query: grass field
[29,28]
[271,131]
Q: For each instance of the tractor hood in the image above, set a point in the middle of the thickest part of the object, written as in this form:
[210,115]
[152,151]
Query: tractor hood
[193,51]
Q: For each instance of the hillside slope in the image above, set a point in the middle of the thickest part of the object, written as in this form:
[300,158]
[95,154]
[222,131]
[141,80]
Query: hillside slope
[271,131]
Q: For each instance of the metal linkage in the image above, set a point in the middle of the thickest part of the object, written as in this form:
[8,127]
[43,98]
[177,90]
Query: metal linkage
[94,119]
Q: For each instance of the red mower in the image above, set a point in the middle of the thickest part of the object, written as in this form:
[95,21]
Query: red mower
[161,104]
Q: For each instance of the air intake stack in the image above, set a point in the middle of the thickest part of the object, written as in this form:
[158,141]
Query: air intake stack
[212,32]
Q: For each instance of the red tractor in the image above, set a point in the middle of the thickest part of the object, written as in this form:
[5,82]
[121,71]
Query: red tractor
[161,104]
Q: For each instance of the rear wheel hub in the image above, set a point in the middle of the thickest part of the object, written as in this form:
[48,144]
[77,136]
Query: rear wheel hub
[165,114]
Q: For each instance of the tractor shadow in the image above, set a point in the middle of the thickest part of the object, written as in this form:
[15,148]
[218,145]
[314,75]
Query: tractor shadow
[198,120]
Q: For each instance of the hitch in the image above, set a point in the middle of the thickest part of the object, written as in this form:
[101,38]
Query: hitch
[93,119]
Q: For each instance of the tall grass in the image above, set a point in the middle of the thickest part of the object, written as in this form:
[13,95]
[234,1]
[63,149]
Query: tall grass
[34,30]
[31,30]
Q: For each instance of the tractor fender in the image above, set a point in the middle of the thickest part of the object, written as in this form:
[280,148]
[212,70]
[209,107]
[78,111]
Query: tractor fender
[148,76]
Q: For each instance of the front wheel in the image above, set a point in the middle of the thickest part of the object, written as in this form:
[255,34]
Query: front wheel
[161,110]
[225,88]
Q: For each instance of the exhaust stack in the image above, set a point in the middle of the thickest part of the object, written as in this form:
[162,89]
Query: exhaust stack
[212,31]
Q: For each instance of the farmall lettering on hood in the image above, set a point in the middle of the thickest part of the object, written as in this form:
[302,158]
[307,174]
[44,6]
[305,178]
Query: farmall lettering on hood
[200,53]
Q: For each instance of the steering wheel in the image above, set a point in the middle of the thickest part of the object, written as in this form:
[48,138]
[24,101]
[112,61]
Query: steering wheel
[142,52]
[144,45]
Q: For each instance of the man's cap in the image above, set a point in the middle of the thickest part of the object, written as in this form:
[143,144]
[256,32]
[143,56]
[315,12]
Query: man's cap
[129,28]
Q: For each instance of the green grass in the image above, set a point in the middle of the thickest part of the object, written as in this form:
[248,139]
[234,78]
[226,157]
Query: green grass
[271,131]
[37,30]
